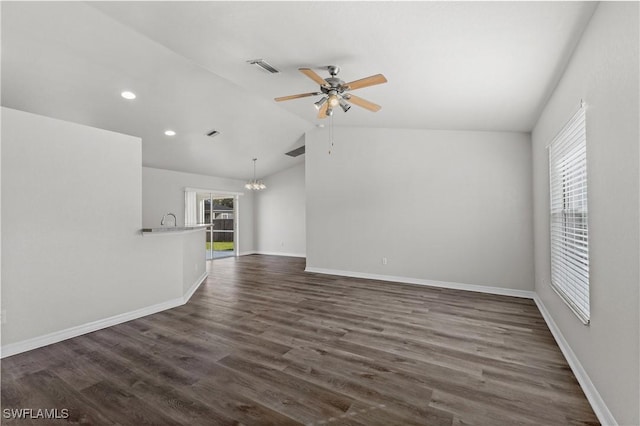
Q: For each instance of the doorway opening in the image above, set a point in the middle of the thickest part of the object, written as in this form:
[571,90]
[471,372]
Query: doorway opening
[218,211]
[220,214]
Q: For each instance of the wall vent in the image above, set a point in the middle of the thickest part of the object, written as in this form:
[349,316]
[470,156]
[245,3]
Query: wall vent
[296,152]
[213,133]
[264,65]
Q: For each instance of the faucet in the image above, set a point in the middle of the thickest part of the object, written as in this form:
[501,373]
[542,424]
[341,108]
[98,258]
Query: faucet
[175,221]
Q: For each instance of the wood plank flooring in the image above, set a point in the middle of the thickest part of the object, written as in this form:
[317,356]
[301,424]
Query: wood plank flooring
[262,342]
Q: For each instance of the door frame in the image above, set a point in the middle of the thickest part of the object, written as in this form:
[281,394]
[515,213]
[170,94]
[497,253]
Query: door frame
[236,210]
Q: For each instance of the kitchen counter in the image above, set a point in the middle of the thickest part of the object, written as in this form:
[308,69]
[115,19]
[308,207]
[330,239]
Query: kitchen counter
[173,229]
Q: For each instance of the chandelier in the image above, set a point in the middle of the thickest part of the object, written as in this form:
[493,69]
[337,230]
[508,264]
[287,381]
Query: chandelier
[255,184]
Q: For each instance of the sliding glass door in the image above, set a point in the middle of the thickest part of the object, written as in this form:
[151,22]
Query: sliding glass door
[218,212]
[221,235]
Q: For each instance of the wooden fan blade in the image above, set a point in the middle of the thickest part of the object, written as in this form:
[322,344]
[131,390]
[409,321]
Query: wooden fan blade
[301,95]
[313,76]
[363,103]
[323,110]
[365,82]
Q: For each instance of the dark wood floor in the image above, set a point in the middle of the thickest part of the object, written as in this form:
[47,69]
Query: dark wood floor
[262,342]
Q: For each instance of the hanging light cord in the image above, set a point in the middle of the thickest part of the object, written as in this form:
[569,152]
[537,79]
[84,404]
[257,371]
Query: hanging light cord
[331,133]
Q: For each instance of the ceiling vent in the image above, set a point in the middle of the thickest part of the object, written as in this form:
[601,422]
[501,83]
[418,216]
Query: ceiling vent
[264,65]
[213,133]
[296,152]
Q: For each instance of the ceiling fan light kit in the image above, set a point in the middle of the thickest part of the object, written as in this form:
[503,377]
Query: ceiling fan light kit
[321,102]
[334,91]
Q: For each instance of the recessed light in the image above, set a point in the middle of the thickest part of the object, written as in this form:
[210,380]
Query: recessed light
[169,133]
[128,95]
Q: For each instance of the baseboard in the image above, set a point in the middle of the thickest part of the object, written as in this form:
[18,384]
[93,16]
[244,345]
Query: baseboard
[593,396]
[58,336]
[275,253]
[246,253]
[194,287]
[431,283]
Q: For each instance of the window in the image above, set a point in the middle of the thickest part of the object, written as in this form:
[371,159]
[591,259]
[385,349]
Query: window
[569,231]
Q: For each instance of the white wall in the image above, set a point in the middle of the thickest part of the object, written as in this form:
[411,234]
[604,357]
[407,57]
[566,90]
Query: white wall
[193,245]
[446,206]
[604,72]
[72,248]
[280,214]
[163,192]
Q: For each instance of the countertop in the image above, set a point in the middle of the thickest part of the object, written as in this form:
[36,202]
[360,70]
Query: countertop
[167,229]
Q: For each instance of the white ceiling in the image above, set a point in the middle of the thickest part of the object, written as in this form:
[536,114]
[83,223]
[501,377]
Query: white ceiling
[450,65]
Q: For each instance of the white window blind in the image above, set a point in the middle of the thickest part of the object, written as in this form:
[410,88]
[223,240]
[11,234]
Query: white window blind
[190,213]
[569,231]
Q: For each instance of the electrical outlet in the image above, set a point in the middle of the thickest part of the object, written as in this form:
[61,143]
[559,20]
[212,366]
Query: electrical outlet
[384,260]
[3,318]
[281,243]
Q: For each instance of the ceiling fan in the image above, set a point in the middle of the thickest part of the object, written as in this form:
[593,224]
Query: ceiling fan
[334,91]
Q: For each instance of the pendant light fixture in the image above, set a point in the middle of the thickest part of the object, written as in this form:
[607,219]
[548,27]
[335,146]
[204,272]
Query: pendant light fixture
[255,184]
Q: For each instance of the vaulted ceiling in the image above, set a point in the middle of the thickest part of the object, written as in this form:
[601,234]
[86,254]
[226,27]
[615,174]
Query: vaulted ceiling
[449,65]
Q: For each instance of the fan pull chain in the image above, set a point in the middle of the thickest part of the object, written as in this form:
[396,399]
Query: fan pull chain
[331,133]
